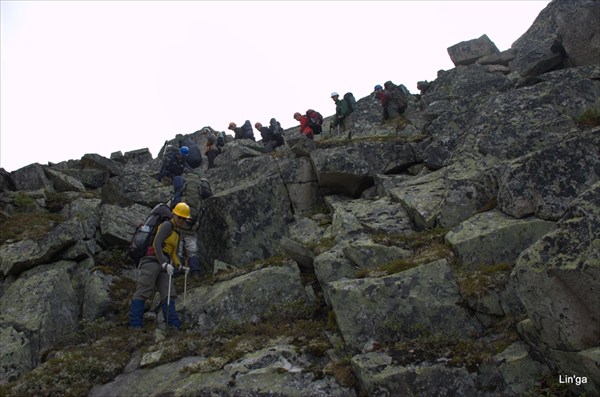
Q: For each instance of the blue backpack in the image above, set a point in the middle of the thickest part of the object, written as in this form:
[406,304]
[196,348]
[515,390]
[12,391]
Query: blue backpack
[248,132]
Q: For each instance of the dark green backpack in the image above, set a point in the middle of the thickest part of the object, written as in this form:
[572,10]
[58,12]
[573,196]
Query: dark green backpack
[350,101]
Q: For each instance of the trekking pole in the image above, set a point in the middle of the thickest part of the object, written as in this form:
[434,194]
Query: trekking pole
[169,299]
[185,287]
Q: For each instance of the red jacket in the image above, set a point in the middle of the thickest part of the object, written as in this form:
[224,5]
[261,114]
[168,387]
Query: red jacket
[304,128]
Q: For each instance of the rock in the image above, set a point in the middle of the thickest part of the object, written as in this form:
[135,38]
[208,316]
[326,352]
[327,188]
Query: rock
[299,253]
[564,171]
[383,308]
[574,23]
[43,305]
[519,371]
[23,255]
[380,377]
[493,237]
[422,197]
[246,299]
[15,355]
[468,52]
[301,183]
[366,254]
[565,265]
[246,217]
[118,225]
[64,183]
[31,177]
[350,169]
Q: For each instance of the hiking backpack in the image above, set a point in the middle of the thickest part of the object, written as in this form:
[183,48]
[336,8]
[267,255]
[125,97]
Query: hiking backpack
[205,190]
[247,128]
[275,127]
[144,235]
[350,101]
[194,157]
[221,139]
[315,121]
[396,94]
[277,131]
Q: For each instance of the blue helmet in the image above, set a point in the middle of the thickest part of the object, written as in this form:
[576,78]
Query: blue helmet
[184,150]
[378,87]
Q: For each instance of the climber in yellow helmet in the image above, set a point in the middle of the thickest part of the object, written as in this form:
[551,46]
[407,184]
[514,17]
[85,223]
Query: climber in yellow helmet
[157,268]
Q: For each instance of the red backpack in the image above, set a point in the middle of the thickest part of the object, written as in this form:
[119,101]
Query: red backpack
[315,120]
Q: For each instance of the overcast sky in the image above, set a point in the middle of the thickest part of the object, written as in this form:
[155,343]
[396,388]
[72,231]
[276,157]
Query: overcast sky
[83,77]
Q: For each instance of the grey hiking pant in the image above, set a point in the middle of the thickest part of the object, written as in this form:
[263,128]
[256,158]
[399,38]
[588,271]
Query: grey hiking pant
[152,278]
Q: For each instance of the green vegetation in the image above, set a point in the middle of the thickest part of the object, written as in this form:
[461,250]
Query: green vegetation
[589,118]
[549,386]
[487,278]
[25,225]
[322,246]
[73,371]
[327,142]
[24,202]
[426,247]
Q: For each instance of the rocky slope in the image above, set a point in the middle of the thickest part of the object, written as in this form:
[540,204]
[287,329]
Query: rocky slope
[455,251]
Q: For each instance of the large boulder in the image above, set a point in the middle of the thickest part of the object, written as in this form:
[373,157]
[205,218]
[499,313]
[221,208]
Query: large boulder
[379,375]
[246,299]
[31,177]
[563,171]
[468,52]
[350,169]
[247,215]
[558,281]
[422,197]
[574,26]
[42,304]
[118,225]
[301,183]
[23,255]
[279,370]
[15,355]
[493,237]
[381,309]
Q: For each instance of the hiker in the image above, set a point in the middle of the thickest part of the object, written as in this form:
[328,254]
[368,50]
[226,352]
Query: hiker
[190,190]
[211,150]
[393,100]
[157,268]
[304,128]
[381,96]
[243,132]
[342,114]
[271,136]
[221,138]
[174,163]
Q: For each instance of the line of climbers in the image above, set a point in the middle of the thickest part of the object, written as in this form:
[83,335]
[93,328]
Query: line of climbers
[167,243]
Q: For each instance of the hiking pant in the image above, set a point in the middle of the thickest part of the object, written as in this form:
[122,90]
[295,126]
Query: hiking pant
[345,124]
[211,155]
[393,110]
[178,187]
[190,246]
[152,278]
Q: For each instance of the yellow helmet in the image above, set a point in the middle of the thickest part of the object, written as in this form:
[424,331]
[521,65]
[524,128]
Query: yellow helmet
[182,210]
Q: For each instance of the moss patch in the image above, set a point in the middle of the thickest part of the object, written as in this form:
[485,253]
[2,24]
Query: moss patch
[427,247]
[21,226]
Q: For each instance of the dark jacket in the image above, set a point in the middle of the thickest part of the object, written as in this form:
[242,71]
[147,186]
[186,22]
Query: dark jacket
[173,165]
[341,111]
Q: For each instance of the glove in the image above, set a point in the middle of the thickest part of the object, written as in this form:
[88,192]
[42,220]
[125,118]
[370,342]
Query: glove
[167,267]
[185,269]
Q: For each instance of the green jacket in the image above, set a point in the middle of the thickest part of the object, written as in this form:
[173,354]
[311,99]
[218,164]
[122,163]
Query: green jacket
[341,111]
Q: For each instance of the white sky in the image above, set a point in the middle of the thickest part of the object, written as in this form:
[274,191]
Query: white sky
[83,77]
